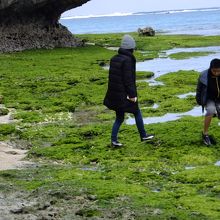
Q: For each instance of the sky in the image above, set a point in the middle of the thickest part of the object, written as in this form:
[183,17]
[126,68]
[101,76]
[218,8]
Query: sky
[100,7]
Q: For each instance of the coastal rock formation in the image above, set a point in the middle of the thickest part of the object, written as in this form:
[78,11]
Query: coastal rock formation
[147,31]
[28,24]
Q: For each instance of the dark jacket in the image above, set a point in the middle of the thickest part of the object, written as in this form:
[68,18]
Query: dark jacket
[202,89]
[122,82]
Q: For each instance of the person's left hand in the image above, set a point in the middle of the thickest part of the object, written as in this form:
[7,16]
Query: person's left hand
[133,99]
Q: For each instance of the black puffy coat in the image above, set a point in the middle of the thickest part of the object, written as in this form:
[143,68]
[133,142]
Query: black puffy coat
[122,82]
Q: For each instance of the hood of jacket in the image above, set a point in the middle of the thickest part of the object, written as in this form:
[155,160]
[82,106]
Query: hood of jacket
[204,77]
[126,52]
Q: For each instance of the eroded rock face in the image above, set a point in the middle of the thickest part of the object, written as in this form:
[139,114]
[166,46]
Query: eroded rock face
[29,24]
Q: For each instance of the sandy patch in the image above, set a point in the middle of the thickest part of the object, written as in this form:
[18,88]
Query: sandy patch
[11,158]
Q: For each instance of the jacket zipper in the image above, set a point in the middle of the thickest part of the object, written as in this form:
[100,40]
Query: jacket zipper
[217,87]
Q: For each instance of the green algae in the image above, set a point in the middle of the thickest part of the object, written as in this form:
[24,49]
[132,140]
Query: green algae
[153,45]
[150,176]
[58,98]
[144,75]
[166,96]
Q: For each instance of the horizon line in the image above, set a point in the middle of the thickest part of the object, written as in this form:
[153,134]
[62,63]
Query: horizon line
[136,13]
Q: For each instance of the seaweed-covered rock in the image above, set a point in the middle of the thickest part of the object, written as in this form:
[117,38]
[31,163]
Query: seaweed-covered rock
[28,24]
[3,111]
[147,31]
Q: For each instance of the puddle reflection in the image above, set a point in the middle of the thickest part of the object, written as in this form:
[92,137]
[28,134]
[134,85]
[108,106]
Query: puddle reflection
[195,112]
[161,66]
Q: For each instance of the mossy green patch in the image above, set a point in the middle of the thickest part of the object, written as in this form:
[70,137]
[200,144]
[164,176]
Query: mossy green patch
[6,130]
[58,97]
[166,96]
[144,75]
[154,45]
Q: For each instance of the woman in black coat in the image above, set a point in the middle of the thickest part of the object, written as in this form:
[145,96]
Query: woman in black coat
[121,95]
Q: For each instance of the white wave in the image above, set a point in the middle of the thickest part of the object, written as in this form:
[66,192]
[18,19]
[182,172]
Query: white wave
[187,10]
[116,14]
[119,14]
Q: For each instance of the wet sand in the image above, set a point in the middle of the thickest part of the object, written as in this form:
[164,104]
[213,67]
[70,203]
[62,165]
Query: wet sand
[11,158]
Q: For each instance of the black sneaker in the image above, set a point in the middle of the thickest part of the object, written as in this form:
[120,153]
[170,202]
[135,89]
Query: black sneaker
[212,140]
[148,137]
[206,139]
[116,144]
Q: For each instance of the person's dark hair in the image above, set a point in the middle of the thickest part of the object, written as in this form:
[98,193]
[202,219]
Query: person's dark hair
[215,63]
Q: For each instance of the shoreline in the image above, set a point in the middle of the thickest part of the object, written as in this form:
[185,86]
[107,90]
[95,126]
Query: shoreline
[177,22]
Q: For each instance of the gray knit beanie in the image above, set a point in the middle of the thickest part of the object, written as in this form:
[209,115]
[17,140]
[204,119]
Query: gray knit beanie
[128,42]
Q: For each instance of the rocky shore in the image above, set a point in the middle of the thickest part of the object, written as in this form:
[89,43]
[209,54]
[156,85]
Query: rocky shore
[35,24]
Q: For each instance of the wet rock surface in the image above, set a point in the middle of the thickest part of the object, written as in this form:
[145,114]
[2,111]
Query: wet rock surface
[21,205]
[55,204]
[31,24]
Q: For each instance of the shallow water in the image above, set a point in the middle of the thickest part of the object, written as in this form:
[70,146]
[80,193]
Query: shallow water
[164,65]
[189,168]
[217,163]
[155,106]
[153,82]
[183,96]
[195,112]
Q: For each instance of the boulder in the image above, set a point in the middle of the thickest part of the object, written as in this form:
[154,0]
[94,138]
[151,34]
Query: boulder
[30,24]
[147,31]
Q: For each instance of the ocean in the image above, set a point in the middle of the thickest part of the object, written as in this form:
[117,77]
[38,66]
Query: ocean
[195,22]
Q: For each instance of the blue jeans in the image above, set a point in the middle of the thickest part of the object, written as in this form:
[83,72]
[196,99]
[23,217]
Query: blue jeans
[119,120]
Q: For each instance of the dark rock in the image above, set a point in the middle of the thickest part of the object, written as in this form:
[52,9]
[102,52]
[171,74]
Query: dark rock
[1,99]
[44,206]
[31,24]
[147,31]
[92,197]
[102,63]
[17,210]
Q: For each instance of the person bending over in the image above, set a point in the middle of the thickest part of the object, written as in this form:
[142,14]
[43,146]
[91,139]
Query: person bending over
[208,95]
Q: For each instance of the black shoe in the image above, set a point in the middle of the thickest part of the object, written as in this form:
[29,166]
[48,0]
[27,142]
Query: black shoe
[116,144]
[206,139]
[212,140]
[148,137]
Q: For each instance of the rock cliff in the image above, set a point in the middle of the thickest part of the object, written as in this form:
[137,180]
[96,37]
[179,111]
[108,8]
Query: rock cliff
[29,24]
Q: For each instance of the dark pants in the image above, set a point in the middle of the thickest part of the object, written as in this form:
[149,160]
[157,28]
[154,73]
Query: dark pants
[119,120]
